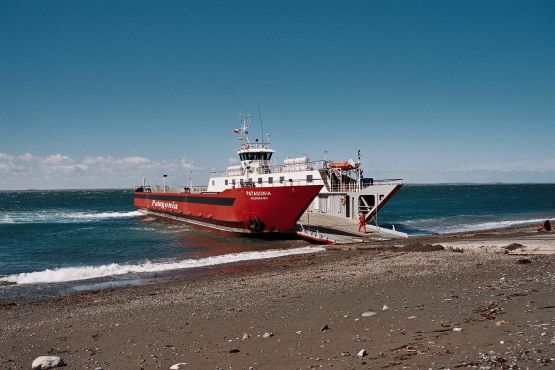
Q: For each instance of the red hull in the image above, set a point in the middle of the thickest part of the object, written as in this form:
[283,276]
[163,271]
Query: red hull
[243,210]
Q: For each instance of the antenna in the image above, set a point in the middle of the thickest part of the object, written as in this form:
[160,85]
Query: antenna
[261,125]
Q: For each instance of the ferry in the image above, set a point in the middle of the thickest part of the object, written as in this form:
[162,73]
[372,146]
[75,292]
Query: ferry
[258,196]
[237,201]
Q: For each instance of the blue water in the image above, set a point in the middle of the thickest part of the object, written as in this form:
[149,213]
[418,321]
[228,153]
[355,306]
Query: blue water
[438,209]
[48,238]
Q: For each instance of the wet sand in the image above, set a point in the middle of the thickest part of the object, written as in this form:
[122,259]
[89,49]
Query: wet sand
[424,306]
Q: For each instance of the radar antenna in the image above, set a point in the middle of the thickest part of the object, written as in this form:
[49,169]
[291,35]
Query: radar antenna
[244,130]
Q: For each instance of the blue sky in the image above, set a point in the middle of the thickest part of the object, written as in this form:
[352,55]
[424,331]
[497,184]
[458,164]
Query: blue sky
[100,93]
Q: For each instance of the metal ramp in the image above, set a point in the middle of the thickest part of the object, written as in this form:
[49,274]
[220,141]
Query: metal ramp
[329,229]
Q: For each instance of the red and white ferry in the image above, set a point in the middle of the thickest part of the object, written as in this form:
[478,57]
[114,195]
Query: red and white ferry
[235,202]
[258,197]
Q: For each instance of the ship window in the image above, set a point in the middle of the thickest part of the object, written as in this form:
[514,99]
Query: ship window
[308,178]
[270,180]
[281,179]
[260,180]
[213,182]
[241,182]
[233,181]
[226,182]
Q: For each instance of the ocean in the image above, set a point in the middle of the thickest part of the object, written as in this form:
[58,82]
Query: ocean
[58,242]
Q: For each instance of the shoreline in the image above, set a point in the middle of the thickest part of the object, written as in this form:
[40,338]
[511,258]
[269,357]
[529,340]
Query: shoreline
[502,303]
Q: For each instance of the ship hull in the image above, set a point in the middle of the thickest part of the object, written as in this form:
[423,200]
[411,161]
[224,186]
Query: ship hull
[233,211]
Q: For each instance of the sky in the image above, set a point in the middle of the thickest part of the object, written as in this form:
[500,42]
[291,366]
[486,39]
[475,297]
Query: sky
[98,94]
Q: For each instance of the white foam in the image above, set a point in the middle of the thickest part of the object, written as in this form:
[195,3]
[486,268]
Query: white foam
[57,216]
[91,272]
[484,225]
[83,215]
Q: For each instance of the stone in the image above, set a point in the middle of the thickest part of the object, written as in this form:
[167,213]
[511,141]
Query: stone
[411,317]
[47,362]
[457,329]
[368,314]
[268,335]
[178,366]
[299,332]
[245,336]
[385,308]
[234,350]
[324,328]
[362,353]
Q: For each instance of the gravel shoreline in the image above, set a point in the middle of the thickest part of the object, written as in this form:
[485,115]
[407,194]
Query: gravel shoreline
[423,306]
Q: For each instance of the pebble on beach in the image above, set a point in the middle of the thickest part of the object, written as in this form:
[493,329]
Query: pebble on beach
[47,362]
[268,335]
[362,353]
[368,314]
[178,366]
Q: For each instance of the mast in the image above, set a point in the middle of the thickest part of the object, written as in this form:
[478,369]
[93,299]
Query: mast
[244,130]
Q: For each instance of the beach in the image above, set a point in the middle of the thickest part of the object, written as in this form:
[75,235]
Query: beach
[482,299]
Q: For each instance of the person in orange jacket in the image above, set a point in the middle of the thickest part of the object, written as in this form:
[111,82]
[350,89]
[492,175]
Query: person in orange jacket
[362,222]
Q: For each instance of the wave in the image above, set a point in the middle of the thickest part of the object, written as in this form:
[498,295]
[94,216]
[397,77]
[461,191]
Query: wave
[62,216]
[65,274]
[442,226]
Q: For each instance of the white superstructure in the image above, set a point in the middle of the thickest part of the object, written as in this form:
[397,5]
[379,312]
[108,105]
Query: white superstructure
[346,193]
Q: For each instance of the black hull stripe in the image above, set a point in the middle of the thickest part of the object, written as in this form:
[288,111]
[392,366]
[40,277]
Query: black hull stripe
[233,224]
[215,201]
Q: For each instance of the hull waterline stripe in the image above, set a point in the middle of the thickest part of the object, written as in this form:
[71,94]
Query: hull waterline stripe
[195,222]
[216,201]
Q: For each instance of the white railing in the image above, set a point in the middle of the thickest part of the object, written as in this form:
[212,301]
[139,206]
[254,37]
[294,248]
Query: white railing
[171,189]
[281,168]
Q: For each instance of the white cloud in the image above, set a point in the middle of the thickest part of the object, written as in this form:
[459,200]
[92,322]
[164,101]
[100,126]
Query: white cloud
[61,171]
[6,157]
[27,157]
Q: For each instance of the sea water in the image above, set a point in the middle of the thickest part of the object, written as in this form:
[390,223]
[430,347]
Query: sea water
[440,209]
[54,242]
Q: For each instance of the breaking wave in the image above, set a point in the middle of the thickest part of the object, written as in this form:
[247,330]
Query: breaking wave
[91,272]
[57,216]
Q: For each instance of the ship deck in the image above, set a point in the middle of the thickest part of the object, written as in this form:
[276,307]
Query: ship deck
[340,230]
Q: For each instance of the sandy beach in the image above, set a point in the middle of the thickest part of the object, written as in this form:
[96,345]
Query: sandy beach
[482,299]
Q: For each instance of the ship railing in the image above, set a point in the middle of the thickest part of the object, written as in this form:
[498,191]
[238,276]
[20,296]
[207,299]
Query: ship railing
[277,183]
[357,186]
[383,182]
[171,189]
[280,168]
[256,145]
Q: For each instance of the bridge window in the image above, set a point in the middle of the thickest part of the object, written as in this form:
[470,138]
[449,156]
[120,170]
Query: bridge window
[226,182]
[281,179]
[257,156]
[270,180]
[213,182]
[233,181]
[241,182]
[308,178]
